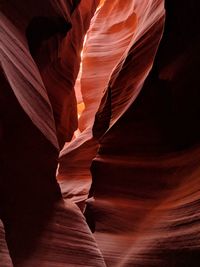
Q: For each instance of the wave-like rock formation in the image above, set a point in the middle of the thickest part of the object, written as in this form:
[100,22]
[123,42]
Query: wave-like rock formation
[127,191]
[40,228]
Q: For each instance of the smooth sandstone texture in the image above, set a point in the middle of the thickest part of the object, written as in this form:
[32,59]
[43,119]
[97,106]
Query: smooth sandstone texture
[146,173]
[98,60]
[133,165]
[40,228]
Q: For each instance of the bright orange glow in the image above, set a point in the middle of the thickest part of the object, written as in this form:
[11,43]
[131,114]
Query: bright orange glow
[80,108]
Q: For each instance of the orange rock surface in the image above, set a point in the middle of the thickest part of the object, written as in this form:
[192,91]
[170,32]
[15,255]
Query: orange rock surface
[99,133]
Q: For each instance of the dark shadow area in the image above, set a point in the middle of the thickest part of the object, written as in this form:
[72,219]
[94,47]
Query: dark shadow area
[43,28]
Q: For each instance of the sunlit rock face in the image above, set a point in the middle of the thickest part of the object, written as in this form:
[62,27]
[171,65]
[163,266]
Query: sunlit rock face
[132,167]
[146,173]
[40,228]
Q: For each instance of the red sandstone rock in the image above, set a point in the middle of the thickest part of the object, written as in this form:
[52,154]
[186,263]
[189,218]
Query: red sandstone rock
[139,133]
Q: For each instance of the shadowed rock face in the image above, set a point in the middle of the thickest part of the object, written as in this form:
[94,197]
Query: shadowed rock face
[43,28]
[26,195]
[40,228]
[146,173]
[133,166]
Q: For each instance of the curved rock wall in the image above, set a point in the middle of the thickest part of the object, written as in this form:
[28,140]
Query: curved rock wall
[146,172]
[40,228]
[133,166]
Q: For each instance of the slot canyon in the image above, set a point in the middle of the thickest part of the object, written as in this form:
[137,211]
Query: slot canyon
[99,133]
